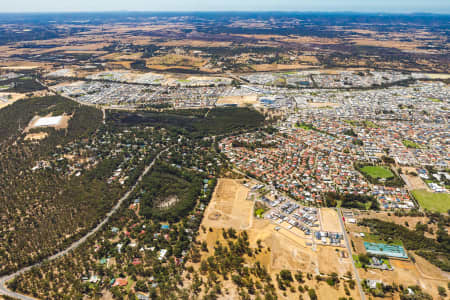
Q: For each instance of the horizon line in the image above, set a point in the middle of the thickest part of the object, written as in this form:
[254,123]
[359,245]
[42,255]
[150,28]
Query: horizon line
[413,12]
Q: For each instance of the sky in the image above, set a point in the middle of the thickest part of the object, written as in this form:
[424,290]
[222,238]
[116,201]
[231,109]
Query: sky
[391,6]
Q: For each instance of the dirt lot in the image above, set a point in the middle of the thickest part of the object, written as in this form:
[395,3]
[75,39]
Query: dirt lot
[323,104]
[36,136]
[63,124]
[289,252]
[414,182]
[278,67]
[289,249]
[330,220]
[239,100]
[330,261]
[175,60]
[14,98]
[229,207]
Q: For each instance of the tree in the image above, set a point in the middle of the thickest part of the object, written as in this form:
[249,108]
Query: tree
[286,275]
[364,259]
[442,292]
[312,294]
[299,277]
[141,286]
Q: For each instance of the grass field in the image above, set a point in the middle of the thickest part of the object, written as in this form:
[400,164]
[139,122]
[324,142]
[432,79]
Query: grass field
[372,238]
[432,201]
[365,123]
[377,172]
[357,262]
[411,144]
[259,212]
[435,100]
[304,126]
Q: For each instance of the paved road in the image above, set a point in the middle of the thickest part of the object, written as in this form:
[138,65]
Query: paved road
[347,243]
[3,280]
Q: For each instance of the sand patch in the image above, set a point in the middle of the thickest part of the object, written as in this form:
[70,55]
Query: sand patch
[330,220]
[36,136]
[238,100]
[229,206]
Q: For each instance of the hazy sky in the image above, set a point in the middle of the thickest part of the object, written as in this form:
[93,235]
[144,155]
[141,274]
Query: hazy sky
[397,6]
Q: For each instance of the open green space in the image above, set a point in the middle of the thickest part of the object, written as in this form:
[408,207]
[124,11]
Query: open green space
[411,144]
[386,262]
[377,171]
[259,212]
[333,199]
[373,238]
[435,100]
[432,201]
[358,264]
[304,126]
[365,123]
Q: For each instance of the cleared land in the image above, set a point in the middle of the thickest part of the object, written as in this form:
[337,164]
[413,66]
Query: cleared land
[330,220]
[238,100]
[432,201]
[413,182]
[229,207]
[58,122]
[323,104]
[9,98]
[377,172]
[289,249]
[411,144]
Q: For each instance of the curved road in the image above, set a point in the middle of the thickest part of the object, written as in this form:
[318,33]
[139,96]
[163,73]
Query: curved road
[3,280]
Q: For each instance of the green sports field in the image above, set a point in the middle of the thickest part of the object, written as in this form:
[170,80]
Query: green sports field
[411,144]
[432,201]
[377,172]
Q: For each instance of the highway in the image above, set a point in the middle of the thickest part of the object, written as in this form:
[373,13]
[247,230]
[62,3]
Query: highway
[349,249]
[3,280]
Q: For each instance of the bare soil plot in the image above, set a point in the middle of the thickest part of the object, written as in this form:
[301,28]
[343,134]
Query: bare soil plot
[438,76]
[401,45]
[324,291]
[36,136]
[323,104]
[330,220]
[168,202]
[176,60]
[9,98]
[330,261]
[278,67]
[194,43]
[62,122]
[238,100]
[287,251]
[290,253]
[229,207]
